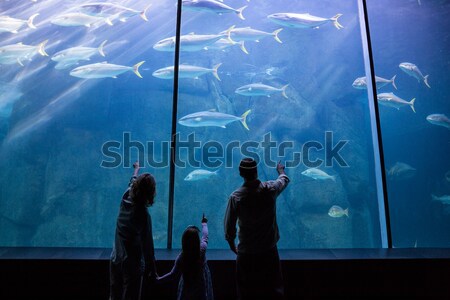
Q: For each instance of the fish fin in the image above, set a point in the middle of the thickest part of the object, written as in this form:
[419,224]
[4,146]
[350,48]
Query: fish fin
[196,77]
[283,91]
[335,21]
[41,48]
[108,21]
[30,21]
[228,34]
[205,48]
[244,119]
[20,62]
[191,33]
[215,68]
[87,25]
[14,31]
[346,212]
[411,103]
[115,77]
[393,81]
[425,80]
[333,178]
[100,48]
[239,12]
[242,46]
[223,126]
[144,12]
[136,68]
[257,41]
[123,20]
[275,35]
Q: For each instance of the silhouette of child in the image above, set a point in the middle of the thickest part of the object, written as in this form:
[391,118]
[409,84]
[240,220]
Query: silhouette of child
[195,282]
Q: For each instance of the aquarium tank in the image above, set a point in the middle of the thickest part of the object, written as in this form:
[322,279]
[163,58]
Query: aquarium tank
[350,95]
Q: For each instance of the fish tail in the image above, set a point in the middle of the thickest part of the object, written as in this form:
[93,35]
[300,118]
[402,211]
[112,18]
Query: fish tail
[100,48]
[228,34]
[30,21]
[215,68]
[242,46]
[275,35]
[143,13]
[107,21]
[346,212]
[335,21]
[434,197]
[41,48]
[393,81]
[136,68]
[283,91]
[333,178]
[244,119]
[239,12]
[411,103]
[425,80]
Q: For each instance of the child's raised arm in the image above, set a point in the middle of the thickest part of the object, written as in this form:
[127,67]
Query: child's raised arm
[204,240]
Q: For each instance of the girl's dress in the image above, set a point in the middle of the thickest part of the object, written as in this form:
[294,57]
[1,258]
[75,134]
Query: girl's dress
[199,288]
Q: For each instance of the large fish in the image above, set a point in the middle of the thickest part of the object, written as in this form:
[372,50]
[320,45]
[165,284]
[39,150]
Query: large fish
[303,20]
[445,199]
[439,119]
[191,41]
[71,56]
[112,11]
[200,174]
[413,70]
[212,6]
[401,171]
[212,118]
[361,82]
[17,53]
[8,24]
[259,89]
[104,70]
[317,174]
[186,71]
[249,34]
[78,19]
[391,100]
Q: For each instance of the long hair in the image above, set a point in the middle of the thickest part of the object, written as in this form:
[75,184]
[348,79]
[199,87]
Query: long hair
[143,190]
[191,263]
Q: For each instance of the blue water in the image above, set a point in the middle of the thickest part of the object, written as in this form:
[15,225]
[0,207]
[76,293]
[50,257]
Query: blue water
[55,191]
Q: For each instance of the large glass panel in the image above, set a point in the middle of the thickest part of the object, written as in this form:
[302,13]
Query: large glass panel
[410,41]
[287,76]
[68,138]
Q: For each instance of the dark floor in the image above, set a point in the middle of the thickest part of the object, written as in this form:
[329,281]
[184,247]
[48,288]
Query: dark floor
[308,274]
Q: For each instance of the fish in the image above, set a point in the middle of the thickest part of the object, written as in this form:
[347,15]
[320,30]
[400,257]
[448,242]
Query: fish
[8,24]
[389,99]
[212,6]
[445,199]
[186,71]
[71,56]
[78,19]
[200,174]
[413,70]
[191,41]
[317,174]
[223,44]
[447,176]
[249,34]
[112,11]
[401,171]
[361,82]
[103,70]
[259,89]
[16,53]
[306,20]
[439,119]
[337,211]
[212,118]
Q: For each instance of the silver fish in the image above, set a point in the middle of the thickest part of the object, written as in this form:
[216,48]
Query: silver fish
[303,20]
[200,174]
[317,174]
[16,53]
[103,70]
[336,211]
[78,19]
[212,118]
[401,171]
[445,199]
[112,11]
[259,89]
[186,71]
[361,82]
[439,119]
[71,56]
[249,34]
[391,100]
[413,70]
[212,6]
[8,24]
